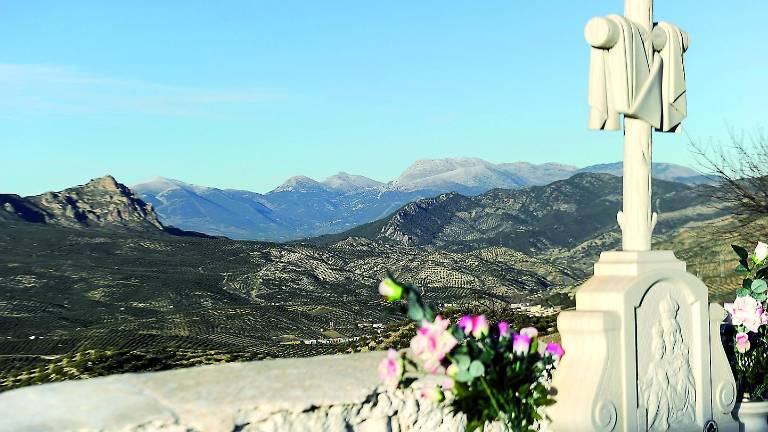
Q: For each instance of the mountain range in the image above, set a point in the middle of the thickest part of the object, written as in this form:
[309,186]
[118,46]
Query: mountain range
[303,207]
[95,282]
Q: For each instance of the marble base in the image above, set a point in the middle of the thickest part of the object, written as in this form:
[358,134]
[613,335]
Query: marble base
[643,351]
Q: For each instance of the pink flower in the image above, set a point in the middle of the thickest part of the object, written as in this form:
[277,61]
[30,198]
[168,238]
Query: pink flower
[476,325]
[764,318]
[521,344]
[503,329]
[390,289]
[480,326]
[555,350]
[432,393]
[745,311]
[466,323]
[531,332]
[391,368]
[432,342]
[447,384]
[742,342]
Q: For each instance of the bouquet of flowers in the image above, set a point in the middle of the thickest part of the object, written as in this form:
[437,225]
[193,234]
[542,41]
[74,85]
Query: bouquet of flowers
[749,318]
[488,371]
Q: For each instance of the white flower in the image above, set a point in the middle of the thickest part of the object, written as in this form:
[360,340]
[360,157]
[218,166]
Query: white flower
[745,311]
[761,252]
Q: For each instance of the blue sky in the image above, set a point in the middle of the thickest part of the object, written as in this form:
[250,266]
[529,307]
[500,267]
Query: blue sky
[245,94]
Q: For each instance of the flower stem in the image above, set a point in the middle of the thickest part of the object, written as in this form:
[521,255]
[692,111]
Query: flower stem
[490,395]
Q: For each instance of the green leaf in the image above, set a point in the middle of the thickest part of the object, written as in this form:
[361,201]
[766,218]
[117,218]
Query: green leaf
[476,369]
[415,312]
[759,286]
[743,292]
[741,269]
[747,283]
[741,252]
[761,297]
[464,376]
[462,361]
[429,315]
[762,273]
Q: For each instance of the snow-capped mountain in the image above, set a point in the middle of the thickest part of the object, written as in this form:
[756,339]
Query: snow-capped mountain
[304,207]
[349,183]
[463,175]
[300,207]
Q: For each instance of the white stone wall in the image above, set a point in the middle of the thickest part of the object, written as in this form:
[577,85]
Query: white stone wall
[330,393]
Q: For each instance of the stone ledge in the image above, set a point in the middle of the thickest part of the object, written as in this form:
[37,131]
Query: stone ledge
[329,393]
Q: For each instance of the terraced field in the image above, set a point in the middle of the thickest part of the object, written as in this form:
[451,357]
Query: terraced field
[144,300]
[706,248]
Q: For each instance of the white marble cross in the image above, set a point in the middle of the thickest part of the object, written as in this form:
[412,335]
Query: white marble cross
[642,349]
[637,70]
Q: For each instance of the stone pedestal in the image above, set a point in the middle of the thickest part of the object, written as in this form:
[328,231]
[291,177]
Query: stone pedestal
[643,351]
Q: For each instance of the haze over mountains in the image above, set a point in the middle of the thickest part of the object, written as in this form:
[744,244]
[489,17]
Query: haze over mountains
[303,207]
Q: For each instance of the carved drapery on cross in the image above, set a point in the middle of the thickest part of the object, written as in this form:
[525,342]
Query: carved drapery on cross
[623,79]
[636,70]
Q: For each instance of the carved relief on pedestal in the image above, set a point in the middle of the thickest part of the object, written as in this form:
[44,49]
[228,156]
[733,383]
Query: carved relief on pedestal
[667,387]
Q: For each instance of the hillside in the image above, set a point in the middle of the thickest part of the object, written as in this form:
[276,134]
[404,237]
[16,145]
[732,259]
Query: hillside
[534,220]
[127,300]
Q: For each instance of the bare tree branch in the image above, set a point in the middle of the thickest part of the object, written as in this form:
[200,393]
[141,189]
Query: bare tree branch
[741,172]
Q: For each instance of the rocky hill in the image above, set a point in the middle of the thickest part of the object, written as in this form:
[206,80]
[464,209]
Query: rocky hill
[102,202]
